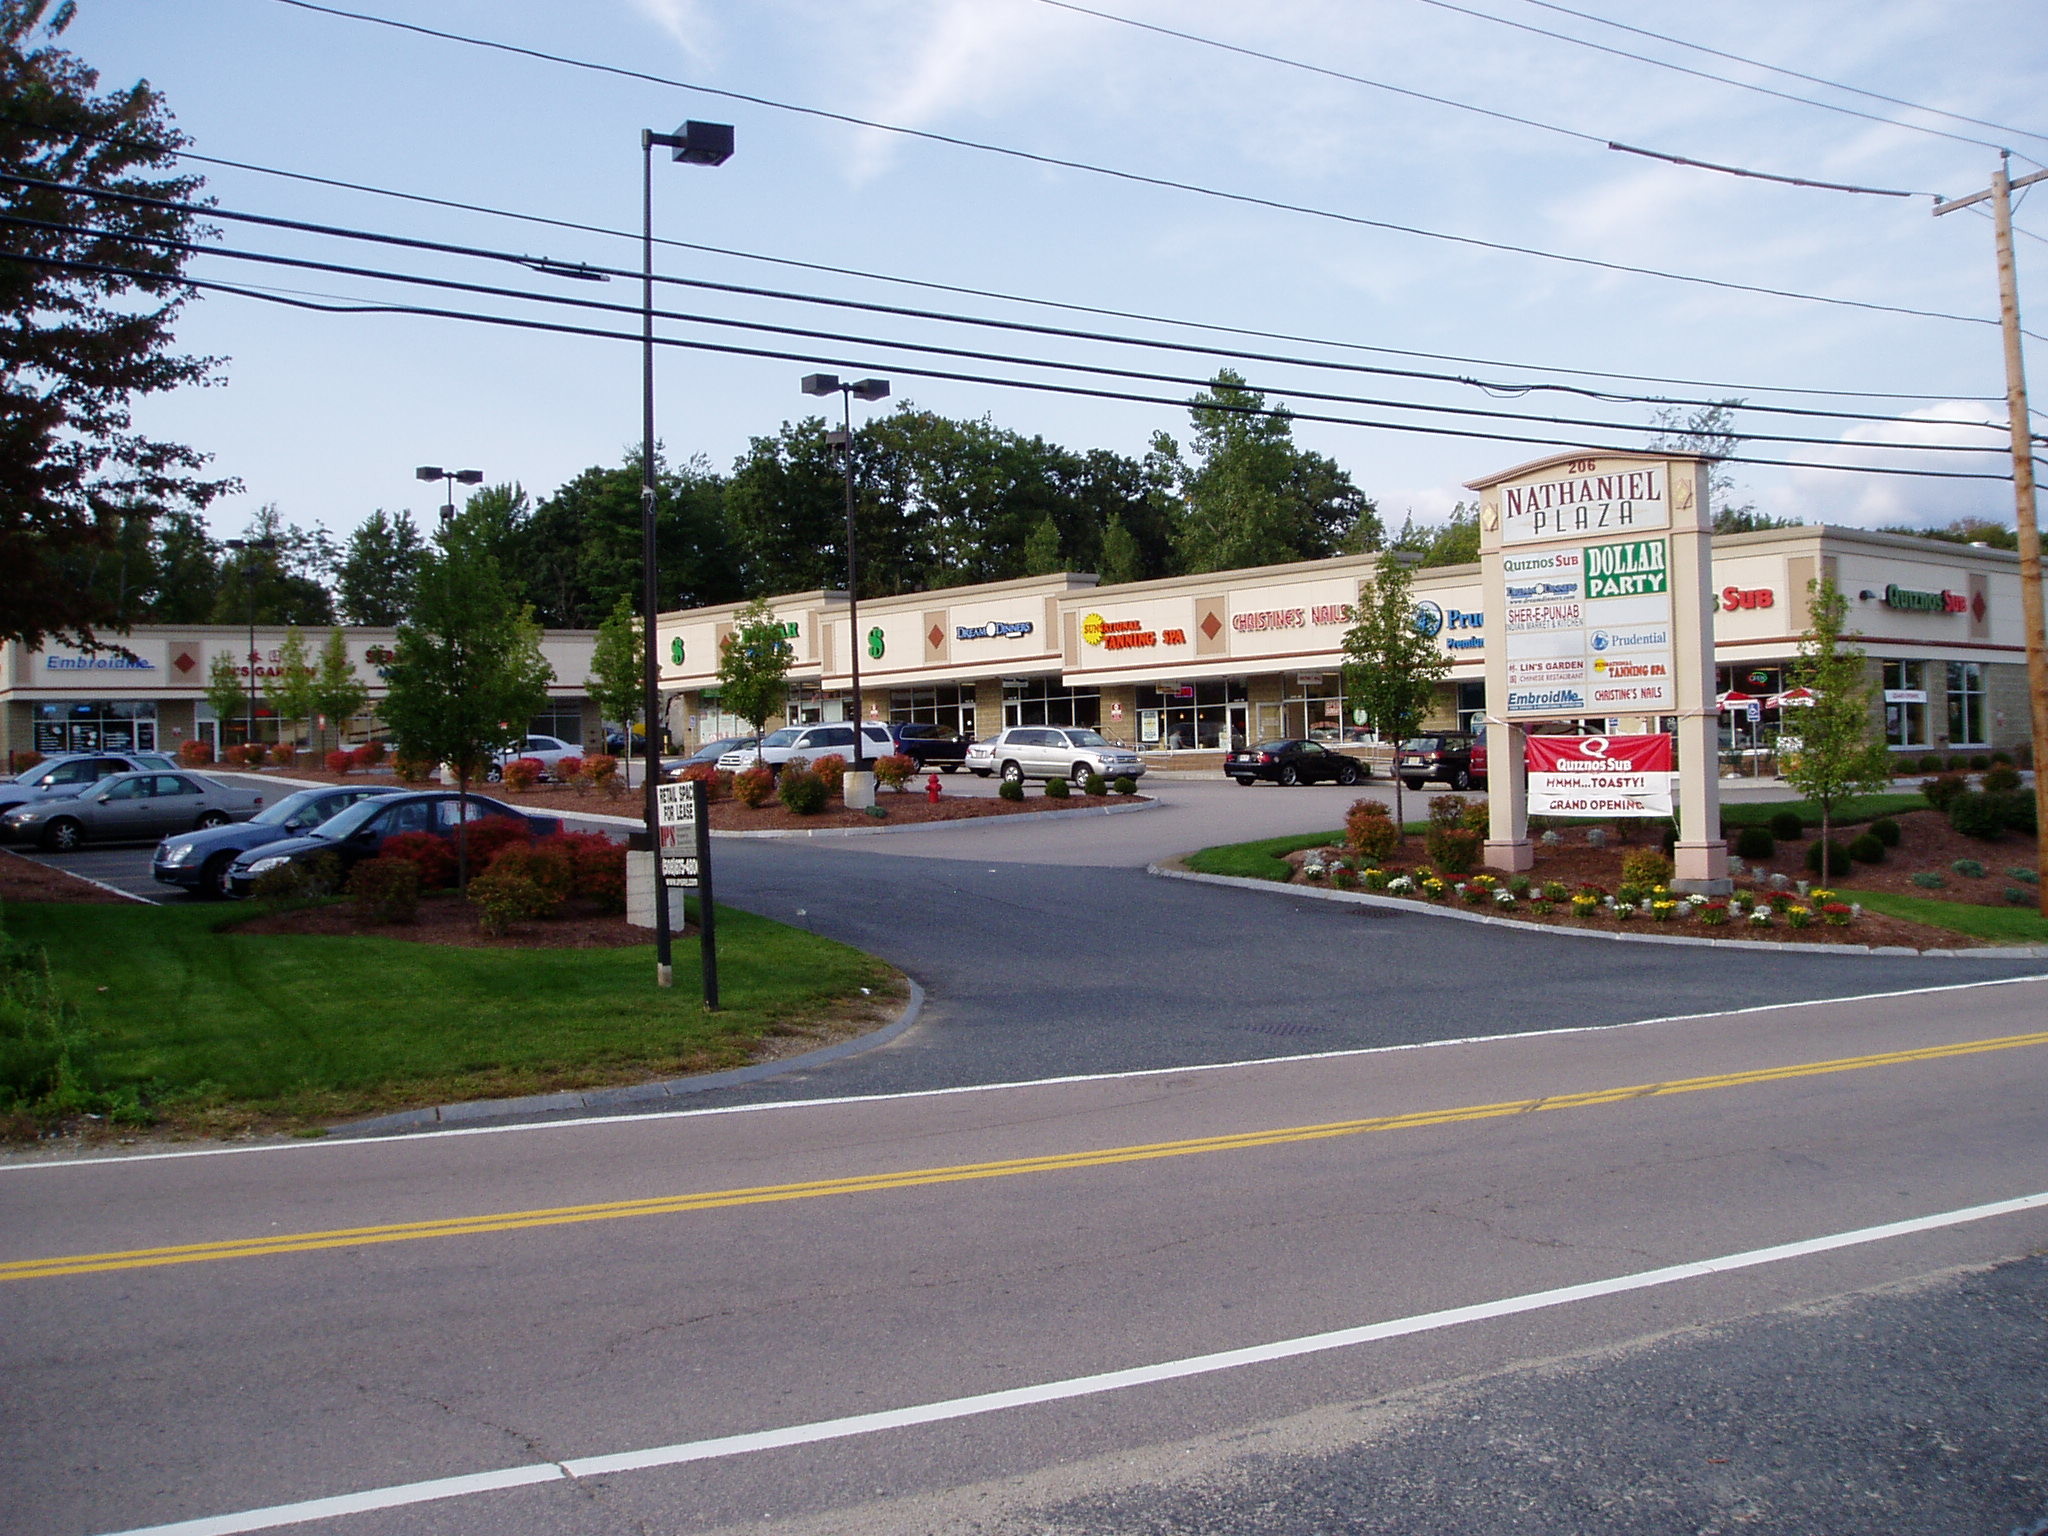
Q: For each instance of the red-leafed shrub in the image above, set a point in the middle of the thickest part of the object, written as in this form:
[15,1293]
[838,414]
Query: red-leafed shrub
[550,870]
[370,754]
[752,786]
[600,769]
[412,770]
[435,857]
[248,754]
[567,769]
[894,770]
[193,754]
[340,762]
[487,838]
[832,769]
[385,890]
[283,755]
[523,772]
[717,785]
[599,865]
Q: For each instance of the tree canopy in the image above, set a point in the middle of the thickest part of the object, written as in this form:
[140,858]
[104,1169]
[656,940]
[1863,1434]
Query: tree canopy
[88,300]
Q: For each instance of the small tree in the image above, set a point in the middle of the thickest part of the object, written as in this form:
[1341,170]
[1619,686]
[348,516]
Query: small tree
[616,681]
[292,694]
[1839,752]
[469,672]
[225,695]
[338,693]
[753,665]
[1391,668]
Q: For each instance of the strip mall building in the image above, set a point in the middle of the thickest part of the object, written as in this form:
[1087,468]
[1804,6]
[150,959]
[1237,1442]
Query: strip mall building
[1194,663]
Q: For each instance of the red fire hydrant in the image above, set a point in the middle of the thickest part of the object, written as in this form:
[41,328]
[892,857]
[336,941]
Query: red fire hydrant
[931,789]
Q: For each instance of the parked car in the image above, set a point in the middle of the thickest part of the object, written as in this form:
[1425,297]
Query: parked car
[1294,761]
[1052,752]
[198,861]
[128,807]
[672,767]
[1456,758]
[809,742]
[545,750]
[930,746]
[359,832]
[71,771]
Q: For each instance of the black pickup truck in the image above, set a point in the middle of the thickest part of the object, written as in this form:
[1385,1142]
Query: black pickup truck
[932,746]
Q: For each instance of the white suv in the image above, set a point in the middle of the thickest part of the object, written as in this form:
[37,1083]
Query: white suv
[1053,752]
[809,742]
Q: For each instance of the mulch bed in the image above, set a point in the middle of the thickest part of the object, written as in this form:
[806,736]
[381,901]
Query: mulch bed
[446,918]
[25,880]
[1926,842]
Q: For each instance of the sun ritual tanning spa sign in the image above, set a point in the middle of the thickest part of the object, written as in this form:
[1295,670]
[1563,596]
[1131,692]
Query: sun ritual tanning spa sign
[1599,775]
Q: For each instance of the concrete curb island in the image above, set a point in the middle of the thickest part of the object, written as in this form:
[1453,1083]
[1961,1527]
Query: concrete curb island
[1430,909]
[635,1095]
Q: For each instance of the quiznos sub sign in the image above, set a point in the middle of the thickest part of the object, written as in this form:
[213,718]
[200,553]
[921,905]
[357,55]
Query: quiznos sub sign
[1599,775]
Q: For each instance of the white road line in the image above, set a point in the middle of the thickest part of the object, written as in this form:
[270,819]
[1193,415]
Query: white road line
[405,1494]
[411,1138]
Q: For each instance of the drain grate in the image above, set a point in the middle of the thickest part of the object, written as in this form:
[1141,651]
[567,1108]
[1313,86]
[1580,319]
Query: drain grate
[1283,1029]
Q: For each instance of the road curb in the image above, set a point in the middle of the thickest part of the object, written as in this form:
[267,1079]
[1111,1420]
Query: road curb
[1031,818]
[636,1094]
[1425,909]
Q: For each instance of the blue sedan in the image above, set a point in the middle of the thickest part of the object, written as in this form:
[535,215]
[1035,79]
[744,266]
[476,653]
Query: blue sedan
[358,832]
[198,861]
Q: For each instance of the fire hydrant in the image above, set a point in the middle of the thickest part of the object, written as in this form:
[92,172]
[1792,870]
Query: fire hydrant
[931,789]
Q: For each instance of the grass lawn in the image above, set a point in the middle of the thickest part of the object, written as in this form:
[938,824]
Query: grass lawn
[224,1028]
[1996,925]
[1858,808]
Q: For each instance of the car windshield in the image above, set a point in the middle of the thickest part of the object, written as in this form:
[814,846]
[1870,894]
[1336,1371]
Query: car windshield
[783,738]
[342,823]
[297,807]
[1421,743]
[1273,746]
[1088,739]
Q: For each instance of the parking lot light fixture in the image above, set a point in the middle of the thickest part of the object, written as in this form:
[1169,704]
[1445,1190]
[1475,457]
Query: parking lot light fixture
[867,389]
[248,547]
[452,477]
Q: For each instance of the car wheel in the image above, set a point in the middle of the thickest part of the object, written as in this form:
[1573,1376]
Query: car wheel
[1414,784]
[1461,780]
[1290,775]
[213,877]
[1013,773]
[1078,774]
[1242,781]
[979,773]
[213,819]
[494,774]
[63,834]
[1348,774]
[950,768]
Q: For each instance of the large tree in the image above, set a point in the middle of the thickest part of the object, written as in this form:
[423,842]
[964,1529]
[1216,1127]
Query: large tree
[1391,668]
[279,576]
[378,568]
[469,673]
[86,321]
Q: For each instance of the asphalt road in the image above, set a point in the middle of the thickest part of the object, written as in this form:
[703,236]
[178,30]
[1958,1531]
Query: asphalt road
[786,1310]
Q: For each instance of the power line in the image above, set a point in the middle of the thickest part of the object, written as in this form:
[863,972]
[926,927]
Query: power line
[1076,308]
[1698,74]
[1138,178]
[1776,69]
[1067,334]
[916,371]
[1465,106]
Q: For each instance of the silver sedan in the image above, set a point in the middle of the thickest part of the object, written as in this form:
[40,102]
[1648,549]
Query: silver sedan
[130,807]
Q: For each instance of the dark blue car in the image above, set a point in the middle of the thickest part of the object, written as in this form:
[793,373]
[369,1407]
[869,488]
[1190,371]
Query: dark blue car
[198,861]
[358,832]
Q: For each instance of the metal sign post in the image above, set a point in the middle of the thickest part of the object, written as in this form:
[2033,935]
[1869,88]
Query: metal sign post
[683,856]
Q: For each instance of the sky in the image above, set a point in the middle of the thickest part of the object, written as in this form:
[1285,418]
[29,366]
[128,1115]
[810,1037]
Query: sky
[327,415]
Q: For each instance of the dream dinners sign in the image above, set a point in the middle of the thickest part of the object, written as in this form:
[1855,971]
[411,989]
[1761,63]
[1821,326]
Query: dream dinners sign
[1599,775]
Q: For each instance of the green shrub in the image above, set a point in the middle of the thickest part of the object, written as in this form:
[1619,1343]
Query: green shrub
[2018,896]
[2018,810]
[1125,784]
[2001,779]
[301,880]
[1976,814]
[1969,869]
[1755,843]
[1942,791]
[1886,831]
[1786,826]
[802,791]
[1829,860]
[1867,849]
[2001,759]
[1930,762]
[411,769]
[1646,868]
[1011,789]
[1979,761]
[1370,832]
[1093,784]
[385,890]
[2021,872]
[1055,789]
[49,1068]
[1453,849]
[1929,880]
[1957,762]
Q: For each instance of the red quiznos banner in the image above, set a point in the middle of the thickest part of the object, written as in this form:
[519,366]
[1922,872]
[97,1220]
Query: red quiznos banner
[1599,775]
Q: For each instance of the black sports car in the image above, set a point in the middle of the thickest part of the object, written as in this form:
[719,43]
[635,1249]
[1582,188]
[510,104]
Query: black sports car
[358,832]
[1294,762]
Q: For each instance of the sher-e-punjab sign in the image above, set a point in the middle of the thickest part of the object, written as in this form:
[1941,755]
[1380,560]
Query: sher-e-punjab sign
[1599,775]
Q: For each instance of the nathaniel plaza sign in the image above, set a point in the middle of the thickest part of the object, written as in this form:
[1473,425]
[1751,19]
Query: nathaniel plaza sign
[1619,502]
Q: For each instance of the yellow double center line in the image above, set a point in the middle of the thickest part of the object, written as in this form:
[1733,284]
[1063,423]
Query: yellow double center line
[671,1205]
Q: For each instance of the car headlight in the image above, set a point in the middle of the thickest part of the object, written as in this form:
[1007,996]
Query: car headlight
[175,853]
[273,861]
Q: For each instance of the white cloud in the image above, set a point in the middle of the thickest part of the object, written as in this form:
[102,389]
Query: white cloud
[690,22]
[1871,501]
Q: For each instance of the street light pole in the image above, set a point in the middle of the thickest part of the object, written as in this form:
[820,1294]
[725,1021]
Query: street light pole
[867,389]
[248,548]
[450,476]
[692,144]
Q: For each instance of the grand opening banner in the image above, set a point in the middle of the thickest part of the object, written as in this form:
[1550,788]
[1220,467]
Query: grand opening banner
[1600,775]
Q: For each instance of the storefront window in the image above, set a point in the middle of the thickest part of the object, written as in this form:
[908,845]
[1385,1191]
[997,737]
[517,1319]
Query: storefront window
[1045,701]
[114,725]
[562,720]
[1206,716]
[1313,708]
[1471,706]
[1905,704]
[947,704]
[1966,726]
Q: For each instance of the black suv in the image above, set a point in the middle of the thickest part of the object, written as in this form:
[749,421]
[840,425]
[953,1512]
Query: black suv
[931,746]
[1445,756]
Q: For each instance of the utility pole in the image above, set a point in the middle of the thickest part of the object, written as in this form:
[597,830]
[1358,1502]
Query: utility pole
[1999,194]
